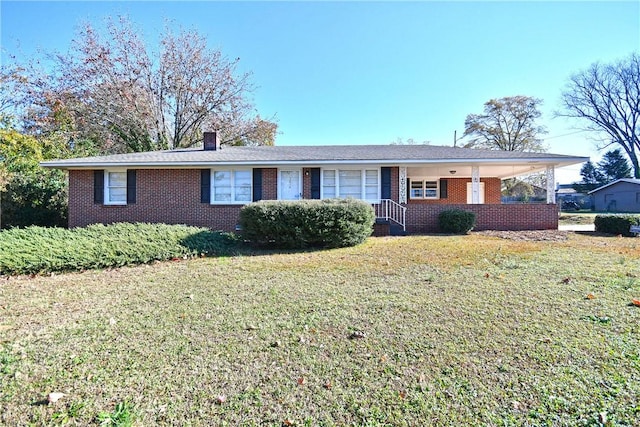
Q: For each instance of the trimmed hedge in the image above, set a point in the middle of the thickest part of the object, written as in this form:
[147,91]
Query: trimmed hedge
[330,223]
[43,250]
[456,221]
[616,224]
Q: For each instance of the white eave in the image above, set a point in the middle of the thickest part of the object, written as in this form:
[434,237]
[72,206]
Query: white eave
[70,164]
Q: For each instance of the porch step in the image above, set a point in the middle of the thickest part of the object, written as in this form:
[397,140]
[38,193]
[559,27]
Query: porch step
[396,230]
[384,227]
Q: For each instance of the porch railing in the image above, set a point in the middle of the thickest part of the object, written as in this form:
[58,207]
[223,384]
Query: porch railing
[389,210]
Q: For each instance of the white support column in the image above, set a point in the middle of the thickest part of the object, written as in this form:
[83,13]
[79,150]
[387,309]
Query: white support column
[402,183]
[475,185]
[551,185]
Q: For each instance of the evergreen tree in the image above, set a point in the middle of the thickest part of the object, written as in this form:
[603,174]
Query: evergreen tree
[614,166]
[592,178]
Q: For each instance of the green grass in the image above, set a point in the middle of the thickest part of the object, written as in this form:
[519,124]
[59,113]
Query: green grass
[576,218]
[457,330]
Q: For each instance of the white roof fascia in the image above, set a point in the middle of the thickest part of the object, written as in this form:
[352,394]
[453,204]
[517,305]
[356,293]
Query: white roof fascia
[629,180]
[396,162]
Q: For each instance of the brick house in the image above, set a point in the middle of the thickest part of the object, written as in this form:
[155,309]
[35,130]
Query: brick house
[408,185]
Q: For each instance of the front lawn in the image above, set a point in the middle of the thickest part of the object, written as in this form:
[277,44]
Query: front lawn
[428,330]
[574,218]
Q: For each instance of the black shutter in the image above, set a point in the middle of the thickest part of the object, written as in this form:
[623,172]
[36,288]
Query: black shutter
[98,187]
[205,186]
[257,184]
[131,186]
[385,183]
[443,189]
[408,188]
[315,183]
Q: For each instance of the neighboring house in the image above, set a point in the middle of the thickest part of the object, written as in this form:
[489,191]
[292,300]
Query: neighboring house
[409,185]
[622,195]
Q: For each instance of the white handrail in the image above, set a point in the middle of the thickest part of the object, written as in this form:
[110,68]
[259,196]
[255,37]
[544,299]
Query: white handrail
[389,210]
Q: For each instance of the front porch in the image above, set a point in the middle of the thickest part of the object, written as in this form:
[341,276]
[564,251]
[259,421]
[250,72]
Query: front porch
[423,218]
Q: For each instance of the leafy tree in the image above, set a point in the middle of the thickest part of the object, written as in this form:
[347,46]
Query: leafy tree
[507,124]
[409,141]
[614,166]
[607,98]
[591,178]
[30,195]
[114,89]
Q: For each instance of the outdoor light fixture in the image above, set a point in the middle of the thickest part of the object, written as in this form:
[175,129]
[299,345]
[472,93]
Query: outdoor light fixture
[452,172]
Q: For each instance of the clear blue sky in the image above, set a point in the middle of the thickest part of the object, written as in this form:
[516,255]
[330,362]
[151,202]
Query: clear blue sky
[370,72]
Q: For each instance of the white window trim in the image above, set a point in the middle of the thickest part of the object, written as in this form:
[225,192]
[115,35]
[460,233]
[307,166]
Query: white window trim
[363,175]
[233,186]
[106,187]
[424,189]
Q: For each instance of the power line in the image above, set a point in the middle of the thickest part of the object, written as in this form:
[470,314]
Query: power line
[566,134]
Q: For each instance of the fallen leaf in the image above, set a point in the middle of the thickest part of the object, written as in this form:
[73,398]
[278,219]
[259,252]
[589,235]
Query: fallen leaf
[55,396]
[636,302]
[590,296]
[356,335]
[287,422]
[402,394]
[486,275]
[220,399]
[328,385]
[301,381]
[602,418]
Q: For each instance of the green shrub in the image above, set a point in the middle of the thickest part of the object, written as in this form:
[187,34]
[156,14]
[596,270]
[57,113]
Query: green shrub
[328,223]
[43,250]
[616,224]
[456,221]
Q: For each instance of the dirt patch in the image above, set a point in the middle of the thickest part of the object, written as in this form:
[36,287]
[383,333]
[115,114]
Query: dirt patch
[529,235]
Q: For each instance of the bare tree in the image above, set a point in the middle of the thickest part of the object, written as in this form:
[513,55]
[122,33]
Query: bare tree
[506,124]
[607,97]
[116,90]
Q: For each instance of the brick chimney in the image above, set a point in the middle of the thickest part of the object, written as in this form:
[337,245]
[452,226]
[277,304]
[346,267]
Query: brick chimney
[211,142]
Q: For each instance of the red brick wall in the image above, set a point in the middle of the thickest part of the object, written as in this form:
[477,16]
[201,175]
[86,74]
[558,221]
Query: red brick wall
[270,184]
[169,196]
[306,183]
[423,218]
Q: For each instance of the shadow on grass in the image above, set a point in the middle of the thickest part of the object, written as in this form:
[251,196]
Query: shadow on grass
[601,234]
[218,243]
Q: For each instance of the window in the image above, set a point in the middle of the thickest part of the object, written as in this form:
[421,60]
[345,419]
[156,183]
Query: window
[231,186]
[423,189]
[115,186]
[329,184]
[361,184]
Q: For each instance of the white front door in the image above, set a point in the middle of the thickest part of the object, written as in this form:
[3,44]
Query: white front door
[470,193]
[289,185]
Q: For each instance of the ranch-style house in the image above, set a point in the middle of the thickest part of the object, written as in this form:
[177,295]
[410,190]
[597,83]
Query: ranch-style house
[408,185]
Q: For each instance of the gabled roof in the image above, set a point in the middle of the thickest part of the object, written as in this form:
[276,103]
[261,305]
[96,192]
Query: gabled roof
[629,180]
[313,155]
